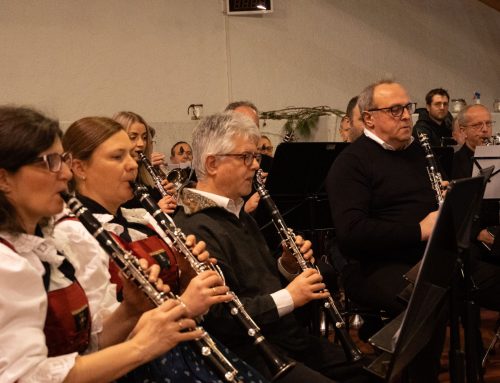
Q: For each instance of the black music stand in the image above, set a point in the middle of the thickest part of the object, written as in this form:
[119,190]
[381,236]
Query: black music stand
[404,337]
[296,184]
[486,156]
[297,178]
[444,159]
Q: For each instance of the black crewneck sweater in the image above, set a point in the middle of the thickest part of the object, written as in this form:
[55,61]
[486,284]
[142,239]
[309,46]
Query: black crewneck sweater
[377,198]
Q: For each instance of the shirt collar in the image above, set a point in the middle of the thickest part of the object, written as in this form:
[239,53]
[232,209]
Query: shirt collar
[228,204]
[368,133]
[43,247]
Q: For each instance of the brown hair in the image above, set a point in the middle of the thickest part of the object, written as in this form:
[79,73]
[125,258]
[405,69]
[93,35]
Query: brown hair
[24,134]
[85,135]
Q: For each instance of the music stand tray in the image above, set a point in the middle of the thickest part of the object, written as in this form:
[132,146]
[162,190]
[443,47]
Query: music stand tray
[412,330]
[486,156]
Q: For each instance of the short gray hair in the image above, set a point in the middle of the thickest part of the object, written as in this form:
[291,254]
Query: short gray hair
[215,135]
[365,100]
[463,116]
[237,104]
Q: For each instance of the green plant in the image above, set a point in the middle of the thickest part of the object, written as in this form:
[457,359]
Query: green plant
[300,121]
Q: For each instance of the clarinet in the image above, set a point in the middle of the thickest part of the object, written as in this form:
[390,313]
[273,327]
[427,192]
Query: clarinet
[132,270]
[157,179]
[276,364]
[432,169]
[352,352]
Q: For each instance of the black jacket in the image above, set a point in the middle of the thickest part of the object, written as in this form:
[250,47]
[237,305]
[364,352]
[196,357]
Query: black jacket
[434,131]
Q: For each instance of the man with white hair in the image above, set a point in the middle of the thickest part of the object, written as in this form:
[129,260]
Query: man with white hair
[226,159]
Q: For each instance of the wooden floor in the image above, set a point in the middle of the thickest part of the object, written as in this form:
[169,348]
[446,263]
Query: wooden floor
[488,324]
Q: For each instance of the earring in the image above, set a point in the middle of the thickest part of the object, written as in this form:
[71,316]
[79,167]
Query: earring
[83,178]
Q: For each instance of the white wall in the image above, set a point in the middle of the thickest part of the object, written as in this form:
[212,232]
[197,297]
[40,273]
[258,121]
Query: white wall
[73,58]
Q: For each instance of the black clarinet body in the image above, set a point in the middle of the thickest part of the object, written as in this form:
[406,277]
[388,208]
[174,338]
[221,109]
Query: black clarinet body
[129,265]
[432,168]
[157,178]
[277,365]
[351,351]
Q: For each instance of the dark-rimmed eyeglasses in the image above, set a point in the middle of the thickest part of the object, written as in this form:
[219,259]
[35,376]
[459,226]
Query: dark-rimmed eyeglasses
[54,161]
[397,110]
[479,125]
[247,157]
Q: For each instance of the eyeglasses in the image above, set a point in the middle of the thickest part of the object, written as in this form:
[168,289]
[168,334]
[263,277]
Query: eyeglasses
[247,157]
[479,125]
[397,110]
[54,161]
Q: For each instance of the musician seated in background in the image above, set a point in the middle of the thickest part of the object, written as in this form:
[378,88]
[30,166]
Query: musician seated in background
[181,153]
[103,169]
[356,125]
[476,125]
[265,146]
[51,324]
[384,210]
[226,159]
[458,134]
[249,109]
[140,133]
[344,128]
[435,120]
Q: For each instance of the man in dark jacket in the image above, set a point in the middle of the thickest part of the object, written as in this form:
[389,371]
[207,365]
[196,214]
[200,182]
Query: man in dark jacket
[226,159]
[435,120]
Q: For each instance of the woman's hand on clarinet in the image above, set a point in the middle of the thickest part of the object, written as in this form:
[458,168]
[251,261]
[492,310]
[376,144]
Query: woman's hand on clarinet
[169,187]
[167,204]
[133,297]
[199,249]
[157,159]
[203,291]
[161,329]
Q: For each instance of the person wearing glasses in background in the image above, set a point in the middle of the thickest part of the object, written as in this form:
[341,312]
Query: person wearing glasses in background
[384,210]
[435,120]
[181,153]
[476,125]
[265,146]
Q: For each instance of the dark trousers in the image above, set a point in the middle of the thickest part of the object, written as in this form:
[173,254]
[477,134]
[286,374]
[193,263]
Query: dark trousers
[379,289]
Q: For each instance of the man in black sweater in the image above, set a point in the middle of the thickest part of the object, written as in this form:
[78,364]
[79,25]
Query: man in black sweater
[476,124]
[226,159]
[384,210]
[382,203]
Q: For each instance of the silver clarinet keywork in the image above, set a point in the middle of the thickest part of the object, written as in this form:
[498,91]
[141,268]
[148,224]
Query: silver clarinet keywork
[432,169]
[277,365]
[288,237]
[131,268]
